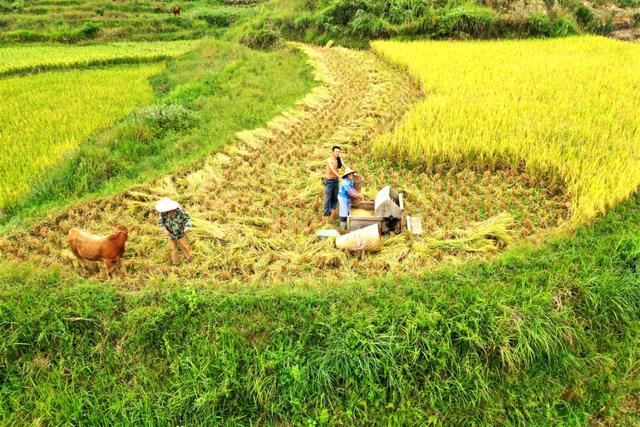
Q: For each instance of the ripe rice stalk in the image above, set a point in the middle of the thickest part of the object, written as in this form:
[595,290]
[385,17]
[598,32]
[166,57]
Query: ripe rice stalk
[53,123]
[485,236]
[22,59]
[555,120]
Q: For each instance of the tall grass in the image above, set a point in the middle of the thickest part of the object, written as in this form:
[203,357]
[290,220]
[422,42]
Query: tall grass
[566,108]
[43,117]
[540,337]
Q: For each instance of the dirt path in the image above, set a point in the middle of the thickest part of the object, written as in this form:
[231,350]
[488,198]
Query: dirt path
[257,205]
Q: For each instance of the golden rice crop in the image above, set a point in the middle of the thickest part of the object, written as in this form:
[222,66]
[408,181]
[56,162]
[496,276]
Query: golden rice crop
[45,115]
[18,59]
[567,108]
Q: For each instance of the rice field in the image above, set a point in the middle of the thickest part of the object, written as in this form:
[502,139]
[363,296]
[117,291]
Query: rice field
[257,204]
[23,59]
[44,116]
[568,109]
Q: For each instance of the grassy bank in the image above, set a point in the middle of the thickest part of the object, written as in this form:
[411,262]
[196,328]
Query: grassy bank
[548,336]
[202,99]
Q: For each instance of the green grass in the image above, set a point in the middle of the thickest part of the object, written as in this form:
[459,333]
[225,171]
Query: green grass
[202,99]
[547,336]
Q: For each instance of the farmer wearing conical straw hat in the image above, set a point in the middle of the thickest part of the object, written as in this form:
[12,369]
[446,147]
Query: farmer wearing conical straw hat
[346,194]
[175,224]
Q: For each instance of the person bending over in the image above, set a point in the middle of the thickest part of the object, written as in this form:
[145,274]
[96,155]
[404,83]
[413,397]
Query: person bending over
[346,195]
[175,224]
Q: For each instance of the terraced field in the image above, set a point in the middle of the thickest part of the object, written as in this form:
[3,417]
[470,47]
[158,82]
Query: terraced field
[71,21]
[29,59]
[256,206]
[53,113]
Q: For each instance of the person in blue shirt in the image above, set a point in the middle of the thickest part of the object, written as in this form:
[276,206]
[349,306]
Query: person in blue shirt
[346,194]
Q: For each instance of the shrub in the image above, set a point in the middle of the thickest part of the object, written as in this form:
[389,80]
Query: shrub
[469,19]
[540,25]
[564,27]
[428,24]
[218,19]
[342,12]
[265,37]
[23,36]
[401,11]
[303,22]
[90,30]
[11,6]
[165,117]
[636,19]
[601,27]
[584,16]
[628,4]
[368,25]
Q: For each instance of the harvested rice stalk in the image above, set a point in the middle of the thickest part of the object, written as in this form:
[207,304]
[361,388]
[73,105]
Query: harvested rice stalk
[485,236]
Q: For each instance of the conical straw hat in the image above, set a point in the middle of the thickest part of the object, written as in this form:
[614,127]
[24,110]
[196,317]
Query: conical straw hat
[166,205]
[347,172]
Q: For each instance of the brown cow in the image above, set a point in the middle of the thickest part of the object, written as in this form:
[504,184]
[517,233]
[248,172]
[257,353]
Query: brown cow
[89,247]
[176,10]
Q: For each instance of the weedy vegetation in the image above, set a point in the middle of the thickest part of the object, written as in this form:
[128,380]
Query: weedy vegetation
[78,21]
[355,22]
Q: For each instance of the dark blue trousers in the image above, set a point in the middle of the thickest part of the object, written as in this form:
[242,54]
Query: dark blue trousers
[331,187]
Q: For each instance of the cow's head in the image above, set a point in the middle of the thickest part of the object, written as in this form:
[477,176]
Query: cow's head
[124,230]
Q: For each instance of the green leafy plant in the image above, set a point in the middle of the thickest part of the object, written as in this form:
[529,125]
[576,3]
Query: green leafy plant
[584,16]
